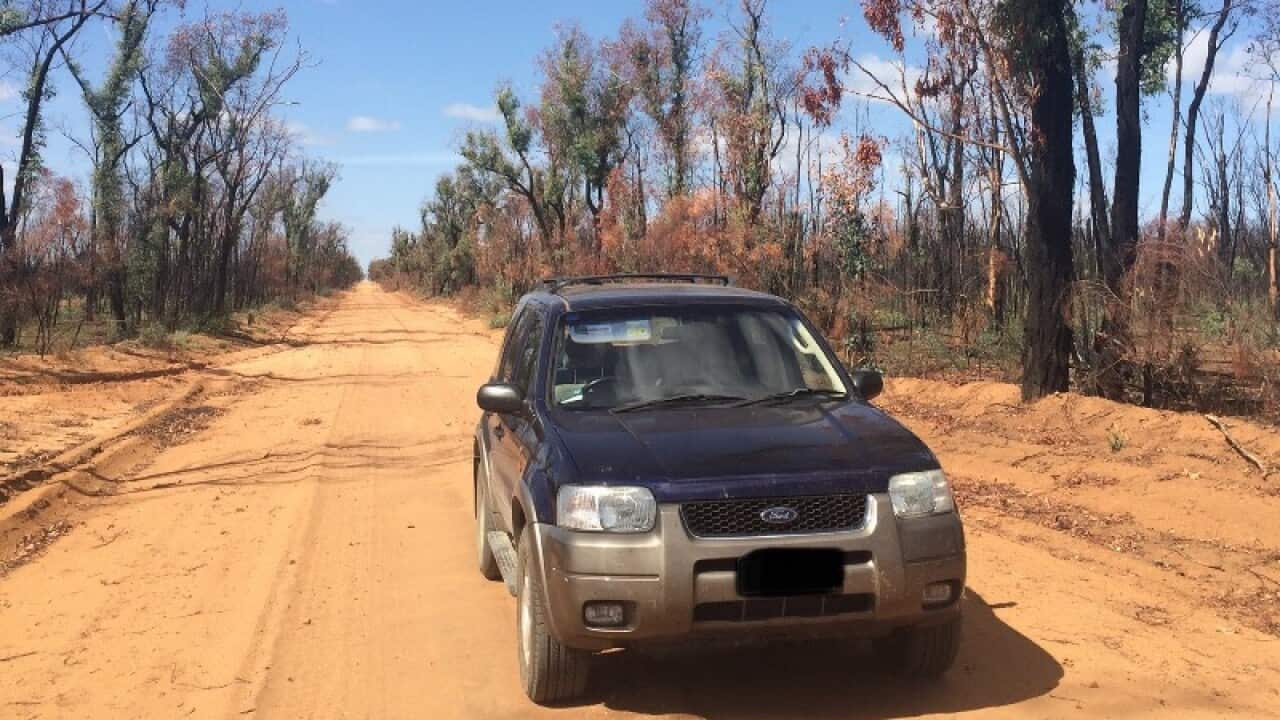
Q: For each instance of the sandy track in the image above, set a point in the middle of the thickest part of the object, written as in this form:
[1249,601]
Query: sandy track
[308,555]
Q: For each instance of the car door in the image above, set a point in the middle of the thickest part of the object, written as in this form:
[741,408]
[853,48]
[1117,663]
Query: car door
[509,432]
[495,426]
[520,441]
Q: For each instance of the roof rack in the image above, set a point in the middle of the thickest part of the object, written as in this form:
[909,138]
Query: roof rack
[556,284]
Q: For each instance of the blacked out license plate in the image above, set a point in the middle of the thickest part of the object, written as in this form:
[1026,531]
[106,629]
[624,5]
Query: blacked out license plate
[790,571]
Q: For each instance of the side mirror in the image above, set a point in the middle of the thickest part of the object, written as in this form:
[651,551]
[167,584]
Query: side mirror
[868,383]
[501,398]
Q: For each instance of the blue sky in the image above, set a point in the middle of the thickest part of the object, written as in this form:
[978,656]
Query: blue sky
[394,84]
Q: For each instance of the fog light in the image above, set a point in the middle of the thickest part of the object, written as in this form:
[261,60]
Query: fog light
[604,614]
[938,593]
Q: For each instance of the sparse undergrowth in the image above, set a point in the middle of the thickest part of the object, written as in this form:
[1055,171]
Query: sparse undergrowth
[1165,489]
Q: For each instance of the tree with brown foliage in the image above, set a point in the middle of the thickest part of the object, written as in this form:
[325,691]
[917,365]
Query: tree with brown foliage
[663,61]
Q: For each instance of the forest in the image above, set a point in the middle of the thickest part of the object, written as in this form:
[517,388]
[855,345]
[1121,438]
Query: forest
[1002,229]
[197,201]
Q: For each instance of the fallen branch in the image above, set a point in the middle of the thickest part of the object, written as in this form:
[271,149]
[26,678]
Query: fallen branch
[107,541]
[1253,459]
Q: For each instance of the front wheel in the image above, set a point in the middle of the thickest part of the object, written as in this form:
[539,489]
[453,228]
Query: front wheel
[550,671]
[923,653]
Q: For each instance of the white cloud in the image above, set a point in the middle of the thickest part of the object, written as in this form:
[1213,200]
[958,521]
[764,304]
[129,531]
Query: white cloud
[370,124]
[467,111]
[823,151]
[1231,69]
[8,91]
[307,136]
[893,73]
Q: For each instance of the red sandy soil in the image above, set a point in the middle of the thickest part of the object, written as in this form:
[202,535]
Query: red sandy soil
[297,542]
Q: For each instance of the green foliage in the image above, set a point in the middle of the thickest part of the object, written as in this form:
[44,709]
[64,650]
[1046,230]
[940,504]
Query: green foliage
[582,112]
[860,341]
[1212,322]
[662,67]
[849,232]
[440,257]
[153,335]
[107,108]
[1026,28]
[1245,322]
[299,199]
[10,17]
[1161,34]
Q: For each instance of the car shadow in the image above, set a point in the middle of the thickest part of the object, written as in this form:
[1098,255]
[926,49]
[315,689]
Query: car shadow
[828,678]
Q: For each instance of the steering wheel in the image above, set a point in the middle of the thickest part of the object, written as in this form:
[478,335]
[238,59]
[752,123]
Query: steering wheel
[600,386]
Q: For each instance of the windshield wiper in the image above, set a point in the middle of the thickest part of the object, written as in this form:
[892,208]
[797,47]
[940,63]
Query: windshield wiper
[681,398]
[794,393]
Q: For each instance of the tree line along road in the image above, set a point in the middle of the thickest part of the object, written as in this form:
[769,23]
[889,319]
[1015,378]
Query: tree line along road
[309,555]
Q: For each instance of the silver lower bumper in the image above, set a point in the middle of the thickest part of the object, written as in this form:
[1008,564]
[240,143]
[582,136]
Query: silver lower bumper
[676,585]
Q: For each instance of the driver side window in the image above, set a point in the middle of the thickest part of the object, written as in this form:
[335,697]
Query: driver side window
[527,356]
[515,343]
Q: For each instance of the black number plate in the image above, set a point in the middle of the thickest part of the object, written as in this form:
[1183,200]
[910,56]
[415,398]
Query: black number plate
[788,571]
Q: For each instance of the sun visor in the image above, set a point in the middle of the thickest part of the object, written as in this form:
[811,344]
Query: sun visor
[621,331]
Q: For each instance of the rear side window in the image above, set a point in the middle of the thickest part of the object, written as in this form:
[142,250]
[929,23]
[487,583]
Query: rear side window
[527,359]
[514,344]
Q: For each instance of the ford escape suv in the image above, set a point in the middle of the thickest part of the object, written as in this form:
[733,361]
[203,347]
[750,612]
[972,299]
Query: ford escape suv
[667,457]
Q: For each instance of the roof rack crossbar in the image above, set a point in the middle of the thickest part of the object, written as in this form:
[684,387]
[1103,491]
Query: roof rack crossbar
[556,284]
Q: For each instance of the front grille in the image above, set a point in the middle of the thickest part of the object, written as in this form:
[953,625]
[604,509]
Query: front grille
[756,609]
[812,514]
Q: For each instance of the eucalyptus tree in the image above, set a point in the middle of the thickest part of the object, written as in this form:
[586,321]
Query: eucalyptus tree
[208,98]
[1222,26]
[53,24]
[302,188]
[753,90]
[245,143]
[664,61]
[107,104]
[451,225]
[583,110]
[1036,47]
[510,156]
[1121,246]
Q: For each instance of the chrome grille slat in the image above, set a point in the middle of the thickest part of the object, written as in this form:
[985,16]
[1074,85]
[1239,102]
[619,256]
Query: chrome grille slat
[741,518]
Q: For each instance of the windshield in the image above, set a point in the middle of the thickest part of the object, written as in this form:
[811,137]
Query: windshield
[620,358]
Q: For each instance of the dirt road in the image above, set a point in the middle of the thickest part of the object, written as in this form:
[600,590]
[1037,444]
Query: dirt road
[307,554]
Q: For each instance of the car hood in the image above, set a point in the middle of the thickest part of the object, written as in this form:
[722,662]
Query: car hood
[797,448]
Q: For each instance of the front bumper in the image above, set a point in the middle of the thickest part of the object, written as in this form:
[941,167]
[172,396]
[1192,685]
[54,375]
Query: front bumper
[674,585]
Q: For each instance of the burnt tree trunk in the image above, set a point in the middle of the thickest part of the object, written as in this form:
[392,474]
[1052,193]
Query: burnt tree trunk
[1119,250]
[1097,189]
[1124,204]
[1180,14]
[1047,351]
[1273,244]
[1193,111]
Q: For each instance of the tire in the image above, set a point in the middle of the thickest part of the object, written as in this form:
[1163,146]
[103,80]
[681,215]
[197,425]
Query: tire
[549,671]
[922,653]
[488,563]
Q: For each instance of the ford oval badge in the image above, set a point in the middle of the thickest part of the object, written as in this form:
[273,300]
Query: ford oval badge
[780,515]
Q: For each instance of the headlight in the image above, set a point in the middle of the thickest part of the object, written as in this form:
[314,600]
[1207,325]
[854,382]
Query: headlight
[605,509]
[920,493]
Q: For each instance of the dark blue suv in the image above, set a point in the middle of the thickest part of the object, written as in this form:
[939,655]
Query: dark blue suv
[668,457]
